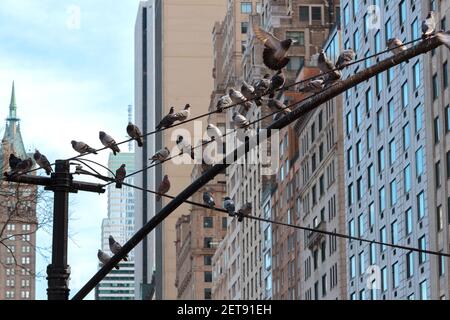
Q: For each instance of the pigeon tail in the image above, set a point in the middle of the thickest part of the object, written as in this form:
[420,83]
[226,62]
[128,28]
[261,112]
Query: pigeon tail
[117,267]
[118,185]
[140,142]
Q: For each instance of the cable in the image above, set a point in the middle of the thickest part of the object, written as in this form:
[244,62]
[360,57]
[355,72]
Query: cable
[329,233]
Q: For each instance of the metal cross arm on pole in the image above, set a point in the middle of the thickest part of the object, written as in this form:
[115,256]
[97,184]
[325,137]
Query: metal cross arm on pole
[61,183]
[303,107]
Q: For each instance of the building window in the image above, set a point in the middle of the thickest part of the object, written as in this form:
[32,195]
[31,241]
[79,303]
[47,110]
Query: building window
[295,63]
[416,73]
[422,246]
[352,267]
[383,238]
[207,242]
[384,279]
[369,138]
[381,164]
[349,123]
[298,36]
[419,162]
[445,75]
[393,189]
[371,214]
[207,222]
[380,121]
[246,7]
[224,222]
[415,29]
[395,275]
[373,254]
[377,49]
[408,221]
[406,137]
[402,12]
[435,87]
[207,259]
[421,205]
[409,264]
[208,276]
[368,100]
[316,14]
[392,154]
[405,95]
[407,178]
[436,130]
[440,217]
[423,290]
[370,176]
[349,158]
[304,14]
[207,293]
[244,27]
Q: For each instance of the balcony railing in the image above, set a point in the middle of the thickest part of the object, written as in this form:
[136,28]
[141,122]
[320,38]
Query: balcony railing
[314,238]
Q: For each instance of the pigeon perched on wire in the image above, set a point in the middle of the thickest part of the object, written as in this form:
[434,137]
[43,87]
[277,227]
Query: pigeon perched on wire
[109,142]
[214,133]
[244,211]
[160,155]
[276,105]
[13,161]
[134,132]
[314,86]
[396,46]
[120,176]
[208,199]
[115,247]
[238,98]
[183,114]
[224,102]
[82,147]
[428,25]
[249,93]
[262,86]
[275,50]
[163,187]
[104,258]
[444,37]
[240,121]
[345,58]
[42,162]
[167,121]
[327,67]
[276,83]
[185,147]
[23,166]
[228,204]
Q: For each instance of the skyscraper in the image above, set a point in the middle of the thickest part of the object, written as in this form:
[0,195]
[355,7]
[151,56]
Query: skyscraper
[172,44]
[119,284]
[18,222]
[396,156]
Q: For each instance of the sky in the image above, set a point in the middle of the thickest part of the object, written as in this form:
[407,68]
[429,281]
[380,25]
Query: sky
[72,63]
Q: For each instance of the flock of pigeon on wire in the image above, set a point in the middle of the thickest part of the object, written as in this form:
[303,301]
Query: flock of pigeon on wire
[275,58]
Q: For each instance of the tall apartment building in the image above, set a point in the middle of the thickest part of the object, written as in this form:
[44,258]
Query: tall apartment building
[173,63]
[396,157]
[198,235]
[119,284]
[309,22]
[18,221]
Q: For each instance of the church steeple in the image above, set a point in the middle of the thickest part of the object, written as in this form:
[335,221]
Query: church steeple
[12,106]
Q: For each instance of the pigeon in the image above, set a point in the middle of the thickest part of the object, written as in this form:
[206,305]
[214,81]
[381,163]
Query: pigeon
[444,37]
[249,93]
[207,160]
[13,161]
[282,113]
[104,258]
[262,85]
[43,162]
[120,176]
[134,132]
[214,133]
[428,25]
[184,146]
[161,155]
[396,45]
[82,147]
[240,121]
[238,98]
[276,83]
[345,58]
[23,166]
[115,247]
[109,142]
[275,50]
[314,86]
[276,105]
[330,78]
[244,211]
[228,205]
[163,187]
[208,199]
[223,102]
[326,66]
[167,121]
[183,114]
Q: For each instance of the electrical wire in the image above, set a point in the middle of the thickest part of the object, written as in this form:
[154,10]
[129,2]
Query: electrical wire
[329,233]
